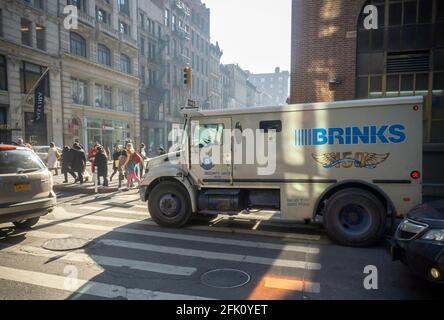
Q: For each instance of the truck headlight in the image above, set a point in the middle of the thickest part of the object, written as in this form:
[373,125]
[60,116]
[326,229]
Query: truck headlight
[435,235]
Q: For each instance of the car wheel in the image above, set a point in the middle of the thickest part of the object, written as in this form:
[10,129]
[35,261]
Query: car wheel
[354,217]
[169,205]
[26,224]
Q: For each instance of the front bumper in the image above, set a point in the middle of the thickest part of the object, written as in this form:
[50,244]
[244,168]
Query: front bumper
[26,210]
[420,256]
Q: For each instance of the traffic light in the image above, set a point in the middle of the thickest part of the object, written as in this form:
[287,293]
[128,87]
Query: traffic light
[188,77]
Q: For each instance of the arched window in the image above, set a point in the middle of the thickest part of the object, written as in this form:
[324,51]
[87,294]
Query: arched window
[103,55]
[125,64]
[404,56]
[77,44]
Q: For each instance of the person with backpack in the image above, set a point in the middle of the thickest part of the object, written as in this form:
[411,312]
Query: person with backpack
[133,159]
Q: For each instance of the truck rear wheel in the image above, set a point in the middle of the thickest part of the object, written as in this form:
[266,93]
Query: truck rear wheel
[169,205]
[354,217]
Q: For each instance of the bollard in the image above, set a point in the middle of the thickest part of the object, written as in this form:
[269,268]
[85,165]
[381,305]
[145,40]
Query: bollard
[96,187]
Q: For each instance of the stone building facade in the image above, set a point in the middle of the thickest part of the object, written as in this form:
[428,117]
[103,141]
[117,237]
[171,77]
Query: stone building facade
[28,47]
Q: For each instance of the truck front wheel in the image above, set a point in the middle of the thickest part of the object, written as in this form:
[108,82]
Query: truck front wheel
[169,205]
[355,217]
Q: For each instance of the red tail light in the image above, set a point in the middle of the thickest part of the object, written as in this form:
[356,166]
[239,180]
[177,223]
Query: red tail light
[7,148]
[415,175]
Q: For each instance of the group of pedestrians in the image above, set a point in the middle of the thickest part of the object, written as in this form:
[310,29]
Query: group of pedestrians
[126,162]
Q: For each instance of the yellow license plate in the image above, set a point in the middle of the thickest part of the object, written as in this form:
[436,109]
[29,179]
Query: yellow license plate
[22,187]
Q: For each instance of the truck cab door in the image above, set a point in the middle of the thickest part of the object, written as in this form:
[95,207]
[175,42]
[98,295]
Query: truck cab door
[210,150]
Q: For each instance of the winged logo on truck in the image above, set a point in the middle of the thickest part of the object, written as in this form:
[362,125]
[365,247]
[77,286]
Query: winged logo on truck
[346,160]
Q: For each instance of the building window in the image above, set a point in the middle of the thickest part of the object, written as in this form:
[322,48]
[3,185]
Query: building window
[103,55]
[124,28]
[103,96]
[125,64]
[30,73]
[77,44]
[142,75]
[79,91]
[1,22]
[167,17]
[80,4]
[103,16]
[25,29]
[40,36]
[123,6]
[3,74]
[142,46]
[125,103]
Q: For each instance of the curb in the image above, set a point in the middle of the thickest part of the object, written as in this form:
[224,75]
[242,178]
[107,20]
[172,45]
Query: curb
[83,189]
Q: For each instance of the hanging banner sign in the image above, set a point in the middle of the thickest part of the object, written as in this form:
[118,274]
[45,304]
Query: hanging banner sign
[39,101]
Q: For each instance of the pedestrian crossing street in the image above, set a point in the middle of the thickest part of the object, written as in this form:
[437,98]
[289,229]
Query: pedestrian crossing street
[130,257]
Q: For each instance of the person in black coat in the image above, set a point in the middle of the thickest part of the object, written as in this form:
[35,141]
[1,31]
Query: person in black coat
[66,164]
[78,161]
[101,162]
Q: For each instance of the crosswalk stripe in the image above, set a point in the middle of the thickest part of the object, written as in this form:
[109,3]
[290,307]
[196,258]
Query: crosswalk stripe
[112,210]
[85,287]
[223,241]
[101,260]
[192,252]
[290,236]
[213,255]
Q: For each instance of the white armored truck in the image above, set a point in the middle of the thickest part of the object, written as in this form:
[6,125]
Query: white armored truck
[352,165]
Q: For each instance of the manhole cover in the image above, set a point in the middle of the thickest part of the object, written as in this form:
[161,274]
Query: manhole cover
[65,244]
[225,278]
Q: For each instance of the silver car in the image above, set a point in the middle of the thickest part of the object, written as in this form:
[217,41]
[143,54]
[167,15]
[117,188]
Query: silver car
[25,187]
[42,152]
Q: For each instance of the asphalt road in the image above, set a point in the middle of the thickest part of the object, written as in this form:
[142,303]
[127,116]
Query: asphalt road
[129,257]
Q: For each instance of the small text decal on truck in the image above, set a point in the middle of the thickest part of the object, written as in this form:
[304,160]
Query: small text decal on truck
[384,134]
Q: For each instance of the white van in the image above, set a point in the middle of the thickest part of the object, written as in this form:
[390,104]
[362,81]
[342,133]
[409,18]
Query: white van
[352,165]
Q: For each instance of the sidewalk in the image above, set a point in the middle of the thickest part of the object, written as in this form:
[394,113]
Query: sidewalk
[87,187]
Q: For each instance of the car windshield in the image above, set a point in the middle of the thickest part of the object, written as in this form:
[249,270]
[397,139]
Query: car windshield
[19,161]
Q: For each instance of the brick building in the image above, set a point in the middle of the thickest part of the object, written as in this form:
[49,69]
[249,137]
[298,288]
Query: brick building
[334,57]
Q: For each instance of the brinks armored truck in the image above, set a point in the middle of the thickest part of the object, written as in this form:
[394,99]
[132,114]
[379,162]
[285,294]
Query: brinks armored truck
[352,165]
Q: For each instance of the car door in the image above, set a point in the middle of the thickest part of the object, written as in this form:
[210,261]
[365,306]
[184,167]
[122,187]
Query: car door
[210,150]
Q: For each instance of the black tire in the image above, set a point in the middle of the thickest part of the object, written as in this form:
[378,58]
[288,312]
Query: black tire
[26,224]
[169,205]
[355,218]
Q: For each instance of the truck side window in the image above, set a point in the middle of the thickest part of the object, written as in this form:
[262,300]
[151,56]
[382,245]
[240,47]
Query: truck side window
[271,125]
[206,135]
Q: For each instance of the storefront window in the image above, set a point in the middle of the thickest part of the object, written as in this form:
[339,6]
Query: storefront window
[107,132]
